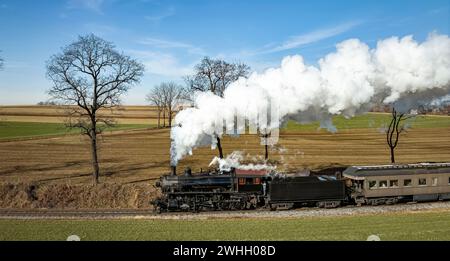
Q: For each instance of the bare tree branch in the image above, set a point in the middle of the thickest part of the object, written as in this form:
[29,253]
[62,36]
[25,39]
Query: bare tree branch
[155,97]
[167,96]
[215,75]
[395,129]
[91,75]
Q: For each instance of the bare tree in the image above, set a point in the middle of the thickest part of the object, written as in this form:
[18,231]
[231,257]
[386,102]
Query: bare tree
[265,136]
[173,95]
[204,78]
[92,75]
[396,127]
[155,97]
[215,75]
[228,73]
[166,96]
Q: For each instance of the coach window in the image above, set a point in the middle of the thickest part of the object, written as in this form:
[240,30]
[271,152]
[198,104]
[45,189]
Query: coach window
[393,183]
[241,181]
[407,183]
[383,184]
[434,181]
[422,182]
[372,184]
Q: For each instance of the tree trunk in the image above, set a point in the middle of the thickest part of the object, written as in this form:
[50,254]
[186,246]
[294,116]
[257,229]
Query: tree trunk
[392,155]
[164,118]
[95,166]
[159,119]
[170,118]
[266,156]
[219,147]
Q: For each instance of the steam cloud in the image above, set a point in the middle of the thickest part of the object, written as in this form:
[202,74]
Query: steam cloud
[234,161]
[347,82]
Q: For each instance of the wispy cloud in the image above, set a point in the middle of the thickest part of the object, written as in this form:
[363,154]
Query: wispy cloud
[438,10]
[93,5]
[158,17]
[308,38]
[169,44]
[164,64]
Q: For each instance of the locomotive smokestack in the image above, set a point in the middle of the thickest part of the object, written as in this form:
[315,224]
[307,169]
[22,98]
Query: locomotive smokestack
[173,170]
[188,172]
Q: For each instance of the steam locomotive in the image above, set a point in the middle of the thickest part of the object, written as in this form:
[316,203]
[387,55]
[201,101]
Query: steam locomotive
[240,189]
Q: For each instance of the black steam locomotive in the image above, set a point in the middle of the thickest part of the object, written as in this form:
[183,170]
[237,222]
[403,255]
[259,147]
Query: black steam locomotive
[239,189]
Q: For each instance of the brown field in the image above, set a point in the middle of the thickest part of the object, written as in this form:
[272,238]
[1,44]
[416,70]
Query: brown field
[123,115]
[143,155]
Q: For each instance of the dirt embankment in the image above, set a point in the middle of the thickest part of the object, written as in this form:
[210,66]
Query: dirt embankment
[77,196]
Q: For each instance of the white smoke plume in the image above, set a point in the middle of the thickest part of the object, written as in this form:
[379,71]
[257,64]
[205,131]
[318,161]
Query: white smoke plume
[442,101]
[346,82]
[234,159]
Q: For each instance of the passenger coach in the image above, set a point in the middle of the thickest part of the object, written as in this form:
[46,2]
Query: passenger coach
[389,184]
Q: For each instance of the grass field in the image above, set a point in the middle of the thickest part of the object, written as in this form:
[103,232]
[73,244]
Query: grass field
[403,226]
[19,129]
[373,121]
[11,129]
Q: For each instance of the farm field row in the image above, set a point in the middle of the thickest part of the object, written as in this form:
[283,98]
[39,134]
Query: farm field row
[55,114]
[142,155]
[38,152]
[39,125]
[149,115]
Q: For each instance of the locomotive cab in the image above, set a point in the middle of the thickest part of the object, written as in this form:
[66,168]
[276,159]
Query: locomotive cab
[251,180]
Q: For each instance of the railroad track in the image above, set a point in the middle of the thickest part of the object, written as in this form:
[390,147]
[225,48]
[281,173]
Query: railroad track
[149,214]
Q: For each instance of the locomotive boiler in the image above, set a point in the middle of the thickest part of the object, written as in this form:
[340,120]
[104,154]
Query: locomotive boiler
[212,190]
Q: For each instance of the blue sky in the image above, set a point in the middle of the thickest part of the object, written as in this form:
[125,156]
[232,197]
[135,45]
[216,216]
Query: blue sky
[170,37]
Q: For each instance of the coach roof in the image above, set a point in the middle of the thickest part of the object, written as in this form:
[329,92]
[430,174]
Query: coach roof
[360,172]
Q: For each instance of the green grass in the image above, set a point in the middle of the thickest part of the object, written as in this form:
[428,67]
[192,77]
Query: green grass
[406,226]
[10,130]
[372,120]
